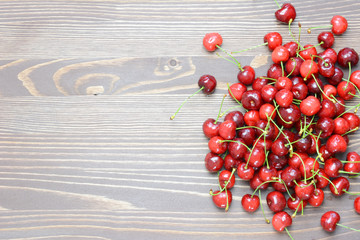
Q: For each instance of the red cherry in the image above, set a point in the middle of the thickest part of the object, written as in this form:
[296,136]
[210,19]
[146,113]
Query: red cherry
[355,78]
[237,117]
[284,98]
[316,198]
[251,118]
[230,162]
[227,130]
[248,134]
[280,54]
[352,119]
[340,186]
[237,148]
[357,205]
[226,178]
[278,162]
[245,172]
[337,77]
[326,67]
[246,75]
[251,100]
[307,68]
[292,47]
[250,204]
[296,203]
[309,167]
[210,128]
[289,175]
[329,92]
[293,65]
[281,220]
[339,25]
[256,182]
[210,41]
[336,144]
[332,167]
[329,53]
[329,221]
[347,56]
[353,162]
[256,157]
[297,159]
[346,90]
[279,147]
[310,106]
[321,179]
[213,162]
[327,38]
[217,145]
[268,93]
[236,90]
[273,39]
[328,109]
[267,174]
[283,83]
[308,52]
[276,201]
[274,71]
[286,13]
[341,126]
[300,91]
[259,83]
[222,199]
[304,190]
[267,110]
[208,83]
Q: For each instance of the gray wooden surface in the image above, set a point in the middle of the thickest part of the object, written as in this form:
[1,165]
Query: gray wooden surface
[87,150]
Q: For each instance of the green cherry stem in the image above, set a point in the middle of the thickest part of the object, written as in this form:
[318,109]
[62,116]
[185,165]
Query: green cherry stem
[173,116]
[292,70]
[348,80]
[297,209]
[222,102]
[236,62]
[356,230]
[278,5]
[352,130]
[247,49]
[262,208]
[353,194]
[318,27]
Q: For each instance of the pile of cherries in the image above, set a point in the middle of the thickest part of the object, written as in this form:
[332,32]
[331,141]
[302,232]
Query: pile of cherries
[295,125]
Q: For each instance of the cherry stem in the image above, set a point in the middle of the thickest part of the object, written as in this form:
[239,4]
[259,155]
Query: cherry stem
[273,79]
[292,69]
[282,69]
[277,4]
[311,66]
[220,109]
[302,162]
[357,230]
[297,209]
[247,49]
[352,130]
[173,116]
[348,80]
[262,208]
[252,150]
[354,194]
[258,187]
[293,37]
[236,142]
[289,233]
[236,62]
[227,201]
[227,110]
[335,189]
[325,26]
[312,182]
[280,131]
[287,190]
[239,128]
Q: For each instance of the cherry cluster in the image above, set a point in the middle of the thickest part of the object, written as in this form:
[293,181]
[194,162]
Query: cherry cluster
[294,128]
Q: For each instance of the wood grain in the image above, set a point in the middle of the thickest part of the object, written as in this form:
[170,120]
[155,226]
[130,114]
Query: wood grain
[87,150]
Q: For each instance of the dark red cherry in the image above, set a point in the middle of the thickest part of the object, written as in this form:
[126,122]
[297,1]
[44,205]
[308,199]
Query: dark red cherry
[290,174]
[279,185]
[281,220]
[210,128]
[213,162]
[217,145]
[250,204]
[237,148]
[340,186]
[259,83]
[329,53]
[279,147]
[276,201]
[302,144]
[274,71]
[326,67]
[227,129]
[273,39]
[325,154]
[314,146]
[226,178]
[332,167]
[322,179]
[222,199]
[329,221]
[245,172]
[278,162]
[339,24]
[346,90]
[208,83]
[237,117]
[210,41]
[326,126]
[316,198]
[297,159]
[309,167]
[347,56]
[251,100]
[295,203]
[230,162]
[286,13]
[289,114]
[337,77]
[292,47]
[340,106]
[300,91]
[328,109]
[304,190]
[327,38]
[248,135]
[336,144]
[292,66]
[297,79]
[246,75]
[352,119]
[236,90]
[256,182]
[268,93]
[267,174]
[313,85]
[256,157]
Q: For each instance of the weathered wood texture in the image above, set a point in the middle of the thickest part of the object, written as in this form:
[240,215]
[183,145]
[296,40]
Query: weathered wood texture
[87,150]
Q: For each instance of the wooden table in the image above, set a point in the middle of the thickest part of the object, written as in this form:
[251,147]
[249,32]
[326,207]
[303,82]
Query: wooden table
[87,150]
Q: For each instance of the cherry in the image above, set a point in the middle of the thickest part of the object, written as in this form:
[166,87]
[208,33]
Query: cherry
[236,90]
[280,54]
[278,162]
[293,65]
[288,116]
[273,39]
[251,100]
[339,24]
[247,134]
[307,68]
[315,85]
[303,144]
[237,117]
[357,205]
[309,167]
[352,119]
[322,179]
[353,163]
[292,47]
[308,52]
[310,106]
[329,221]
[340,106]
[346,90]
[314,145]
[326,67]
[275,71]
[326,126]
[281,220]
[341,126]
[296,160]
[329,92]
[227,129]
[256,157]
[336,144]
[268,93]
[332,167]
[211,128]
[289,175]
[246,75]
[317,198]
[286,13]
[226,178]
[213,162]
[279,185]
[259,83]
[340,186]
[329,53]
[328,109]
[260,143]
[222,199]
[283,83]
[245,172]
[325,154]
[304,190]
[217,145]
[284,98]
[326,39]
[267,174]
[337,77]
[237,148]
[347,56]
[250,203]
[355,78]
[267,129]
[256,183]
[230,162]
[276,201]
[295,203]
[279,147]
[267,110]
[211,41]
[300,91]
[251,118]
